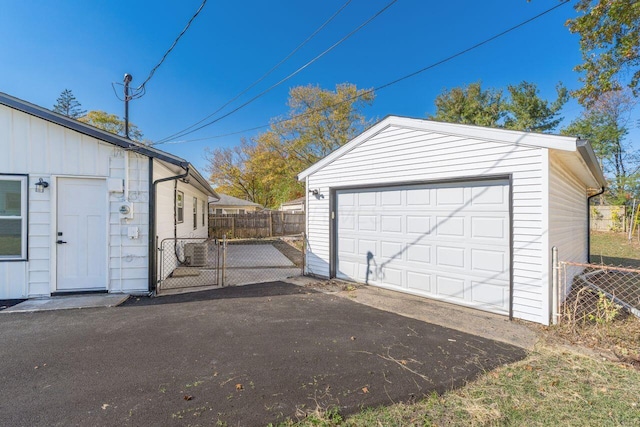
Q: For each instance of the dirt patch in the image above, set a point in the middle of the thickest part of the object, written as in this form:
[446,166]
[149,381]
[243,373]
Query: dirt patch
[333,285]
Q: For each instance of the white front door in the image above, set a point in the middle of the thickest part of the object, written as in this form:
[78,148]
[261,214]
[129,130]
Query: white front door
[81,239]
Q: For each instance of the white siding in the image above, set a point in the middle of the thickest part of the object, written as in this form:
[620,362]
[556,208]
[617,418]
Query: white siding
[406,155]
[567,216]
[165,209]
[45,150]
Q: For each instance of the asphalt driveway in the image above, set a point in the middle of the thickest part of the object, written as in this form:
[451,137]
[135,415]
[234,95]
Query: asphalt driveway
[245,356]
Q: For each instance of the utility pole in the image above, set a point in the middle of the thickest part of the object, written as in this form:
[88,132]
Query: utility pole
[127,98]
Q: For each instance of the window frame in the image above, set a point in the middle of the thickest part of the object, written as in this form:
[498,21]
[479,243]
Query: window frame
[204,212]
[179,206]
[24,216]
[195,213]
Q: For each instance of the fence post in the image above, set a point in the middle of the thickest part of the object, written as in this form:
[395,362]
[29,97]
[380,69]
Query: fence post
[224,258]
[304,251]
[555,271]
[270,224]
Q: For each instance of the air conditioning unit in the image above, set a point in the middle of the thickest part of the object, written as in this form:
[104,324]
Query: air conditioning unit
[195,254]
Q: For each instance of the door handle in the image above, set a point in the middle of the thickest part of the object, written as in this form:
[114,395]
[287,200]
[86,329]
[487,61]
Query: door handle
[60,242]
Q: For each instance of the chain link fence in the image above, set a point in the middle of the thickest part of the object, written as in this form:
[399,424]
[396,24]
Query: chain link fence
[199,262]
[189,263]
[597,294]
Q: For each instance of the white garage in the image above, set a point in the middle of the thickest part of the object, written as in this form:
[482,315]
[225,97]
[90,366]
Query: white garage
[462,214]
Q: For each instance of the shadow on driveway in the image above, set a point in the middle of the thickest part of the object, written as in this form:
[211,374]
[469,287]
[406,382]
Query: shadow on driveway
[245,356]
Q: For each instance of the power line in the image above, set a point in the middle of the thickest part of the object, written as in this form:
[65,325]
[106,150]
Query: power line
[386,85]
[264,76]
[140,89]
[264,92]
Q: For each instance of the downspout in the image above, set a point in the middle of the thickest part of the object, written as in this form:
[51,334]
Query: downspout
[153,244]
[602,190]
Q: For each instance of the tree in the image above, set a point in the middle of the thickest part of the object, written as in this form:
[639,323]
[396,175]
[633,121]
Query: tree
[527,111]
[609,33]
[470,105]
[264,170]
[111,123]
[522,109]
[68,105]
[605,125]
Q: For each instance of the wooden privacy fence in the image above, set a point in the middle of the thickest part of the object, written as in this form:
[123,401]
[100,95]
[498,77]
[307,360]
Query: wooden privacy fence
[256,224]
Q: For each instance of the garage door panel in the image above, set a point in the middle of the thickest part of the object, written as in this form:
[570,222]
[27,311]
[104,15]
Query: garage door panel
[391,250]
[450,226]
[493,295]
[448,256]
[418,224]
[450,196]
[419,281]
[489,227]
[445,241]
[489,195]
[367,223]
[451,287]
[391,223]
[419,254]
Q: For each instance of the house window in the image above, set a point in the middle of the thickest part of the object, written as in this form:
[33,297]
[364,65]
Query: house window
[204,211]
[219,211]
[195,213]
[179,206]
[241,211]
[13,217]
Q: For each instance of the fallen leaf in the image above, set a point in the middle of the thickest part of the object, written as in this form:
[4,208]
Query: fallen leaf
[509,374]
[529,368]
[215,374]
[239,387]
[365,390]
[404,362]
[187,397]
[105,406]
[353,338]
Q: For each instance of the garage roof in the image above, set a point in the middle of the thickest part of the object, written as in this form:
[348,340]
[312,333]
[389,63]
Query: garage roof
[577,153]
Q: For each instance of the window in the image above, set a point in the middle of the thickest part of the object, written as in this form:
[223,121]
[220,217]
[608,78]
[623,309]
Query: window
[179,206]
[195,213]
[13,217]
[241,211]
[204,212]
[218,211]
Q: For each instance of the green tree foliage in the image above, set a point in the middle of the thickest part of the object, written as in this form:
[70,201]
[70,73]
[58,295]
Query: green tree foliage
[264,169]
[68,105]
[605,124]
[470,105]
[522,109]
[527,111]
[609,33]
[111,123]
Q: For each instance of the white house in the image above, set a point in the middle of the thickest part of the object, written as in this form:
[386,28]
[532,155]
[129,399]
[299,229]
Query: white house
[295,205]
[227,205]
[83,210]
[462,214]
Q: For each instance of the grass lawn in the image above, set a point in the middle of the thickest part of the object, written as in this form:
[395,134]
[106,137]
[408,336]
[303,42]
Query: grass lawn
[550,387]
[614,249]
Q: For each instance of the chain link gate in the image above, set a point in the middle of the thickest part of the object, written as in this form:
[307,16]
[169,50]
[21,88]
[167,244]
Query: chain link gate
[201,262]
[189,263]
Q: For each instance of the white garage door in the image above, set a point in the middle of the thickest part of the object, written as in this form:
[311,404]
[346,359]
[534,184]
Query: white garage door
[444,241]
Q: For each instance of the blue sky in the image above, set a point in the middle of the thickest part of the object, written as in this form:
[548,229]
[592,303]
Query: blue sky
[86,45]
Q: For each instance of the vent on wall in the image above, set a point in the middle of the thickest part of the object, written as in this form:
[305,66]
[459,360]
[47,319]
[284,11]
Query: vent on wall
[195,254]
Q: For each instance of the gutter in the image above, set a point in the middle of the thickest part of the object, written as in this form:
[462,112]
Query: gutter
[602,190]
[153,244]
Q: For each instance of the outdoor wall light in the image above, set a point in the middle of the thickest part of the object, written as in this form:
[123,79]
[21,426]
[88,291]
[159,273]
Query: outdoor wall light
[41,185]
[314,191]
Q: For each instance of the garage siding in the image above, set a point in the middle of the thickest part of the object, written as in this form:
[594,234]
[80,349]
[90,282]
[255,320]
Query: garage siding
[406,155]
[567,216]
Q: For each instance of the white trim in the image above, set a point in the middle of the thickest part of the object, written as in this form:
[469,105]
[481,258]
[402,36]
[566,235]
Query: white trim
[53,185]
[546,246]
[518,138]
[24,215]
